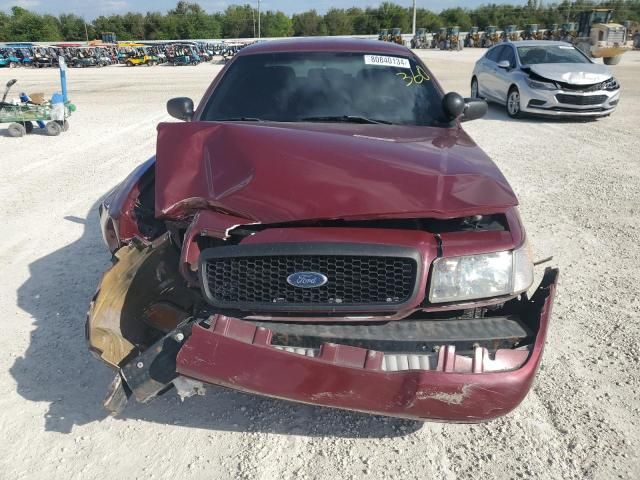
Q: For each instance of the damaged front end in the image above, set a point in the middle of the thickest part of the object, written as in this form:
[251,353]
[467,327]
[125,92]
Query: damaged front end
[463,366]
[223,279]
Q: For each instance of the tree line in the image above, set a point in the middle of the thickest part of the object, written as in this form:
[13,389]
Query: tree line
[189,20]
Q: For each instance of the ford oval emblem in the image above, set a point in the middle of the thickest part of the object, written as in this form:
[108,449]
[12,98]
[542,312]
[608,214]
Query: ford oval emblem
[307,279]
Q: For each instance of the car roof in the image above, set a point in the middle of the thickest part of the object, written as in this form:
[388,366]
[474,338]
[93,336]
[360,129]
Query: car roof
[537,43]
[321,44]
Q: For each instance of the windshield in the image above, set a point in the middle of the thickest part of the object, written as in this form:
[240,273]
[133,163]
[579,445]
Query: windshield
[600,17]
[326,86]
[551,54]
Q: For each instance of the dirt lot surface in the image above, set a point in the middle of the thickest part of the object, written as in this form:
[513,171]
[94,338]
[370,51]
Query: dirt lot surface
[579,186]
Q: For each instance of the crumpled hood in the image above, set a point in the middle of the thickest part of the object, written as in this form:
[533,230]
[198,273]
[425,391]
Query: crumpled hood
[271,173]
[573,73]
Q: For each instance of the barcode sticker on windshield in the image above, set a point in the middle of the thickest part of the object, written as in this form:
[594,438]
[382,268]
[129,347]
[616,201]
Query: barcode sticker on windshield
[386,61]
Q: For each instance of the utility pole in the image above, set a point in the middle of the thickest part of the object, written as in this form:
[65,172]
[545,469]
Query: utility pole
[86,33]
[414,18]
[258,18]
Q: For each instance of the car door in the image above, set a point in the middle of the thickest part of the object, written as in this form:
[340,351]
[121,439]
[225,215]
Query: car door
[487,75]
[504,76]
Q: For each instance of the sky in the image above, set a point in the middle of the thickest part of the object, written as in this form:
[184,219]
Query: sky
[94,8]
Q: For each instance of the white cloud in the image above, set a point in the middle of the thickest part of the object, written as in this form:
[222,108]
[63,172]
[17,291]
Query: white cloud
[23,3]
[113,4]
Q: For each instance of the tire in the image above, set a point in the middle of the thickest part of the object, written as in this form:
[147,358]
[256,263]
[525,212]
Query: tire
[13,64]
[28,126]
[53,128]
[612,60]
[65,126]
[513,103]
[475,91]
[17,130]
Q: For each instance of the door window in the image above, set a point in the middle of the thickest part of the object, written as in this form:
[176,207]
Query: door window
[508,55]
[494,53]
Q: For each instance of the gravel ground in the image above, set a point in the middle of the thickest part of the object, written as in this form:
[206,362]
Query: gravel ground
[578,185]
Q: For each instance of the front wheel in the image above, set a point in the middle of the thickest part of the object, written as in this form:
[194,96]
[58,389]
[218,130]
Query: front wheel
[513,103]
[475,91]
[612,60]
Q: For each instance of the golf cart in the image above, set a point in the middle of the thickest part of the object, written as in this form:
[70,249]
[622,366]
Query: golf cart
[20,116]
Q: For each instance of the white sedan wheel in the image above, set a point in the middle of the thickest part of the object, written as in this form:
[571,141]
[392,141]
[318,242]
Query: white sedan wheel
[513,103]
[474,89]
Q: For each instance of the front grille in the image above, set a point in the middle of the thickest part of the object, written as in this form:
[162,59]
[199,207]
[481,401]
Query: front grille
[616,36]
[582,110]
[254,277]
[595,87]
[580,99]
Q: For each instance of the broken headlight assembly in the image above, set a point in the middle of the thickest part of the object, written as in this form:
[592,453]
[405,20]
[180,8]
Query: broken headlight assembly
[611,84]
[538,85]
[487,275]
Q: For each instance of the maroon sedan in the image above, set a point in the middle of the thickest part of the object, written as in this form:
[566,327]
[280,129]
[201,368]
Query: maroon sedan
[321,229]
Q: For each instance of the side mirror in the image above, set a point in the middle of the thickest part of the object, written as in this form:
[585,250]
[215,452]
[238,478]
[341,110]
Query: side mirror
[455,106]
[11,83]
[181,108]
[504,64]
[474,108]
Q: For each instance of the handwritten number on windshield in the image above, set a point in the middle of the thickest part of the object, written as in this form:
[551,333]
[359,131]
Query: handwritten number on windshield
[416,78]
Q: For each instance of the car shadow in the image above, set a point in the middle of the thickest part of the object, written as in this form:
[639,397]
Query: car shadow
[497,112]
[58,370]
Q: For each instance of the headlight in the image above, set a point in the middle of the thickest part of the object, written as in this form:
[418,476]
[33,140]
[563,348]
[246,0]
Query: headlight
[611,84]
[541,85]
[472,277]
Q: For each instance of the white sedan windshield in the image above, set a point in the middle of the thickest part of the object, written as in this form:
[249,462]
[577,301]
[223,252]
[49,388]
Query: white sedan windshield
[532,55]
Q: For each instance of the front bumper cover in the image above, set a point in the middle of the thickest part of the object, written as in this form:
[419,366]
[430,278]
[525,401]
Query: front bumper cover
[351,377]
[239,355]
[545,102]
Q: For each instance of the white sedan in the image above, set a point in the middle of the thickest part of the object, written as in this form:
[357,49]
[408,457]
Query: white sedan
[541,77]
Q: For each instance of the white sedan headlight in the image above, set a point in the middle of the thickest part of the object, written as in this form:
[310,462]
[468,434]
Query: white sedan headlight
[542,85]
[487,275]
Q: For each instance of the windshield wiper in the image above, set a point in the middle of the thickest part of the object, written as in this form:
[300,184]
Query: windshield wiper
[345,118]
[240,119]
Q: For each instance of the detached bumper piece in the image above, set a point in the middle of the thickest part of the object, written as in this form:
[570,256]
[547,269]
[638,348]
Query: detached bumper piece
[240,355]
